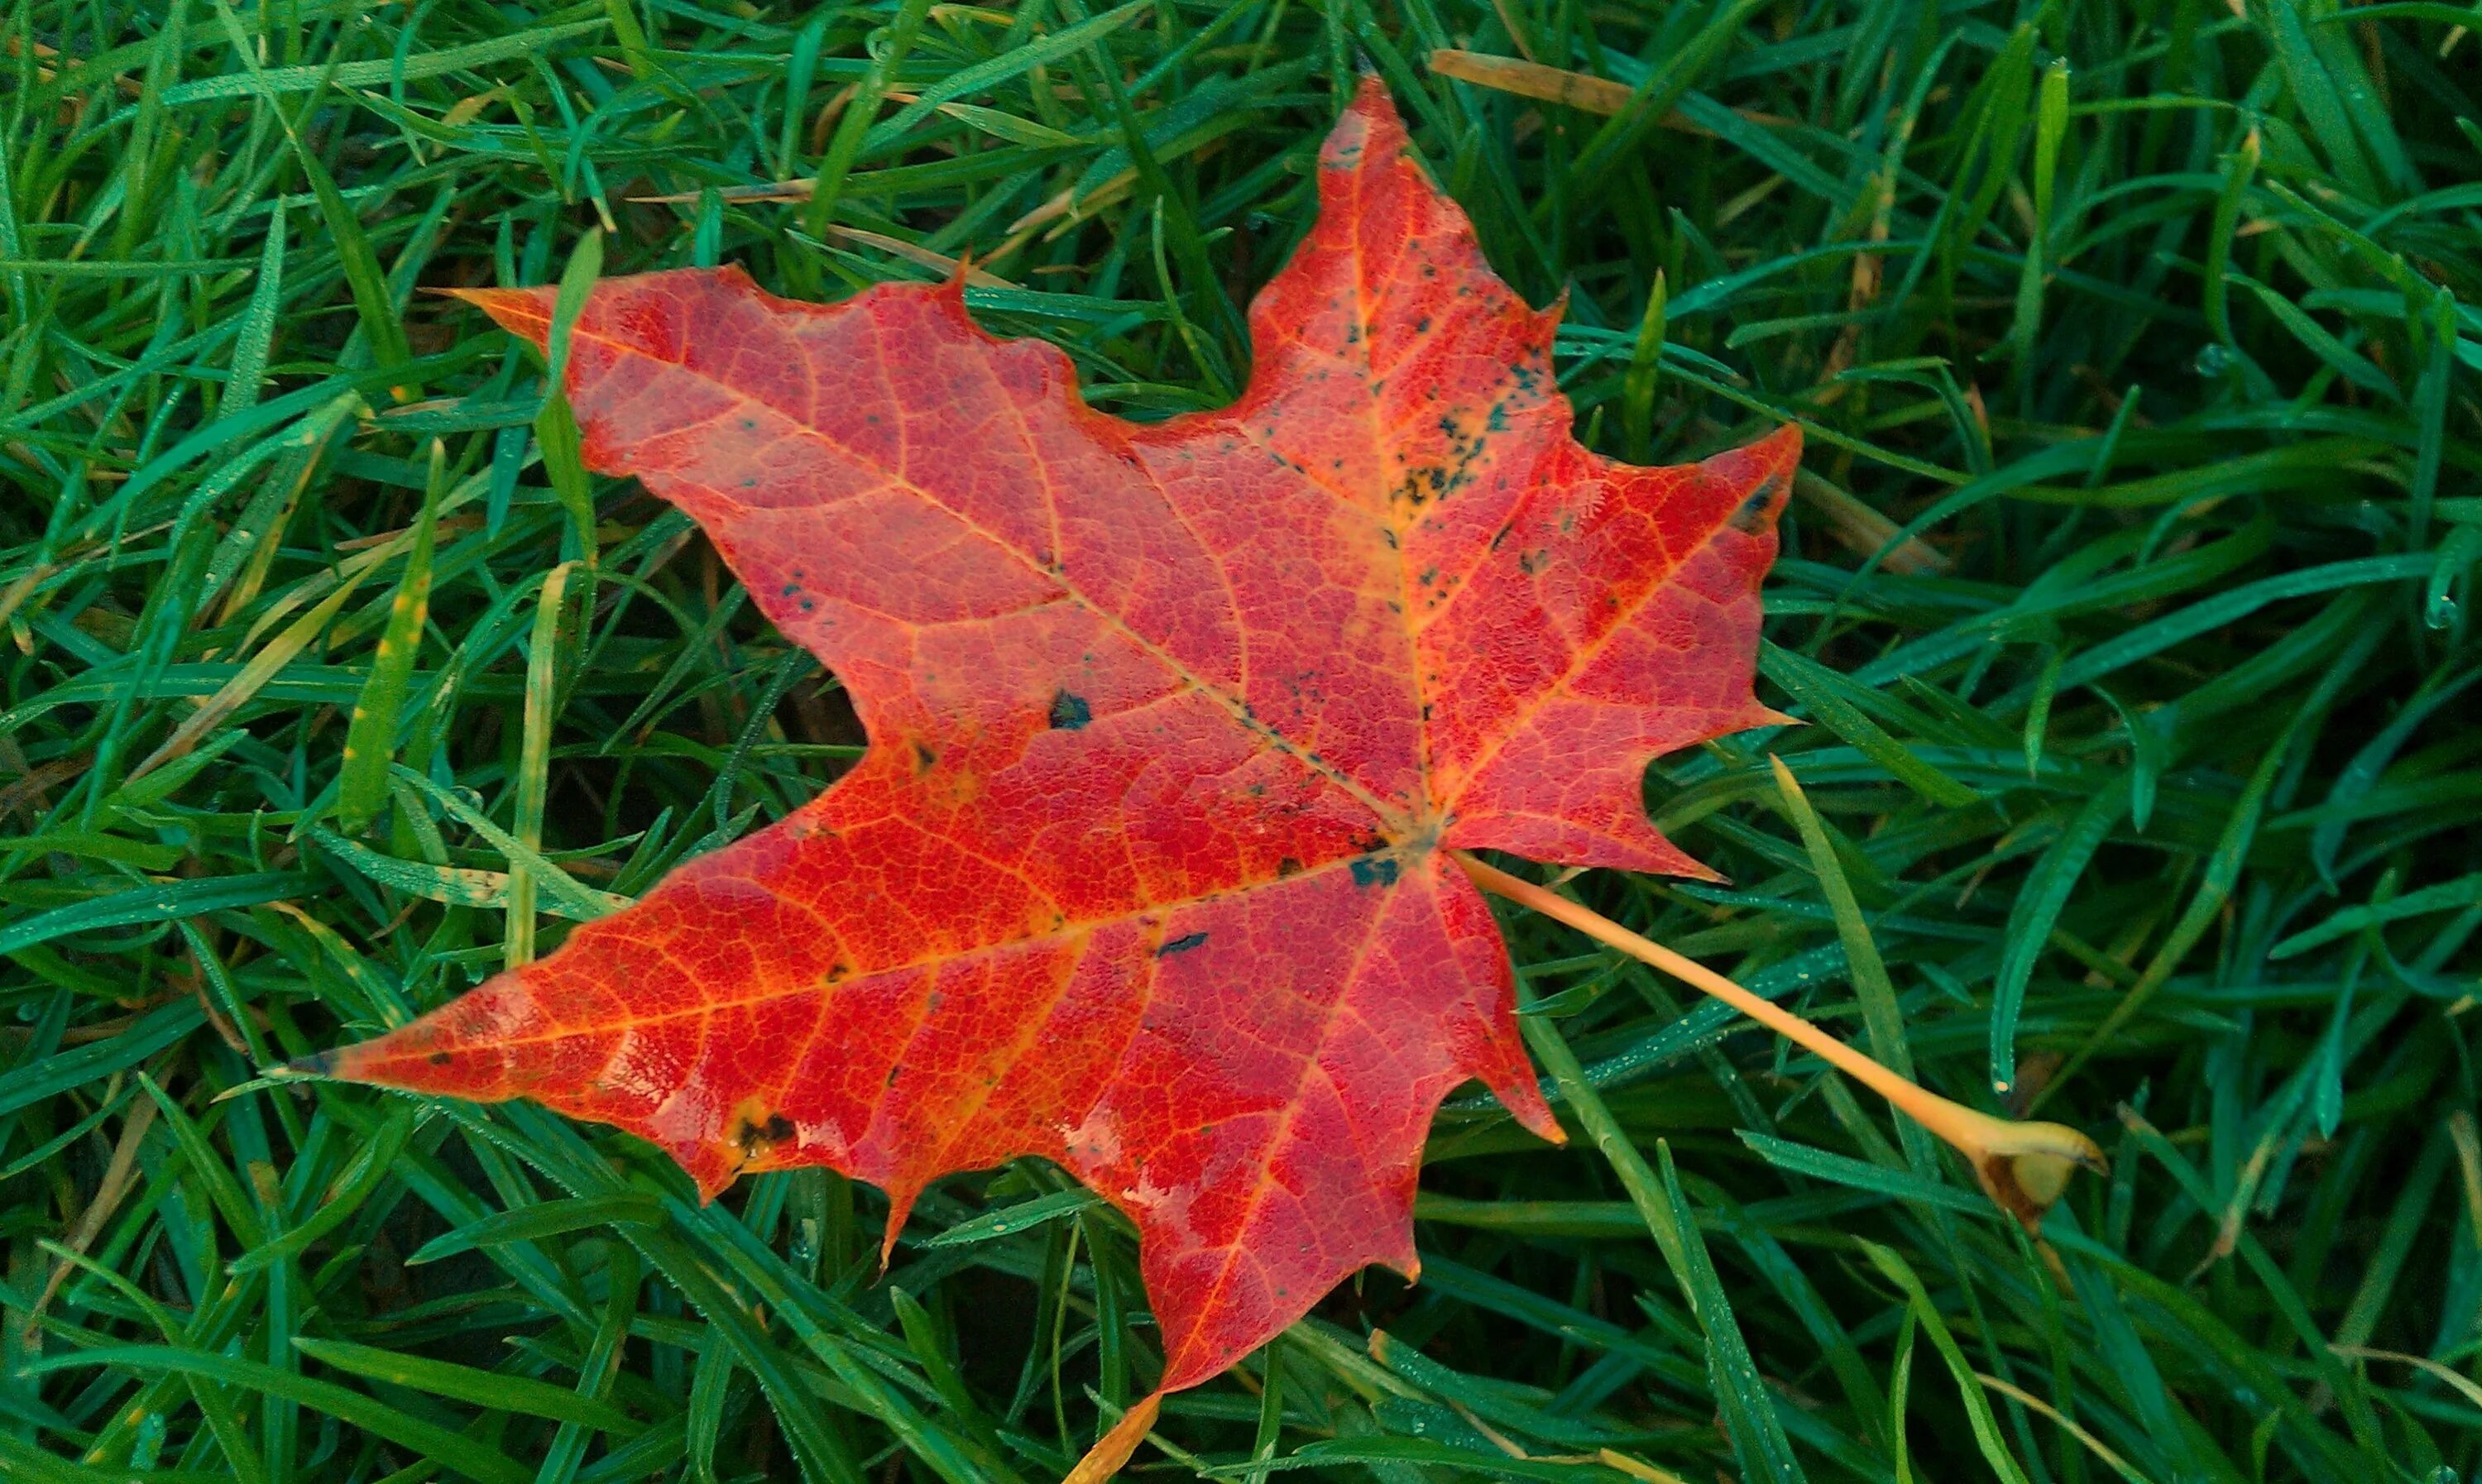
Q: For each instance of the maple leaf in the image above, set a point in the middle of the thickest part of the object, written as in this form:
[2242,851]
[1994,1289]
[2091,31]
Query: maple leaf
[1173,730]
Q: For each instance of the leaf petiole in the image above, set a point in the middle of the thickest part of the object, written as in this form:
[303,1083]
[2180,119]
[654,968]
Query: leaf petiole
[2022,1166]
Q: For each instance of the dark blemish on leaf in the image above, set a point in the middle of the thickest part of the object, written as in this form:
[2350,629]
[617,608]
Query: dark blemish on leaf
[1182,944]
[838,971]
[924,760]
[1375,871]
[1287,866]
[750,425]
[755,1137]
[1070,712]
[1750,519]
[1497,421]
[1430,574]
[1502,535]
[441,1058]
[1422,326]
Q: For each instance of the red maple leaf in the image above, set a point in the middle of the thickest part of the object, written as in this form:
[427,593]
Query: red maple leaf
[1173,728]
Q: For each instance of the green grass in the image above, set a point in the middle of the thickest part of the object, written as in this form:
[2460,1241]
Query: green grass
[2144,778]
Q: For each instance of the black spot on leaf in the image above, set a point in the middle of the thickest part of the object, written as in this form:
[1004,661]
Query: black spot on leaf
[755,1137]
[1752,518]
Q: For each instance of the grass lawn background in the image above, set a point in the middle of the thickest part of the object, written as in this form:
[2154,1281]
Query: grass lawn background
[2127,588]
